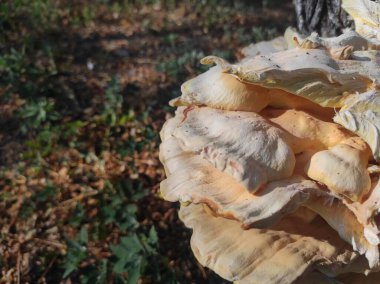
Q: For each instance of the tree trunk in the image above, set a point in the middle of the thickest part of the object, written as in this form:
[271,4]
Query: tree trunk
[323,16]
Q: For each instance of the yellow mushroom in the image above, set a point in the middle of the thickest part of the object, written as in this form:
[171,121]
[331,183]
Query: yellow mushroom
[277,158]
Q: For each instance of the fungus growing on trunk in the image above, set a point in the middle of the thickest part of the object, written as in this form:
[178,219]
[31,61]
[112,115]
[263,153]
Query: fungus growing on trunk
[275,159]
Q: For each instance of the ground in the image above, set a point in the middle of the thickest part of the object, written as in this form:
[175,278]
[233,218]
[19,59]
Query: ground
[84,91]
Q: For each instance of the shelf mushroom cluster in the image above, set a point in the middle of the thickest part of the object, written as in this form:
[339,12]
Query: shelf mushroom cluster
[275,159]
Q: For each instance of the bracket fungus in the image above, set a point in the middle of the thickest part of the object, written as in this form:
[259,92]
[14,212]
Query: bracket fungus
[275,159]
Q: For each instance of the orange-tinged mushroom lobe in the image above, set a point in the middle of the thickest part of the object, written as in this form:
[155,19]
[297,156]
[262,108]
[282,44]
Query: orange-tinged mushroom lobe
[276,158]
[343,169]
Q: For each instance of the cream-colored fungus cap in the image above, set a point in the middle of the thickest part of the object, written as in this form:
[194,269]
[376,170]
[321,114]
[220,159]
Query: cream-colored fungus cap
[275,159]
[281,254]
[343,168]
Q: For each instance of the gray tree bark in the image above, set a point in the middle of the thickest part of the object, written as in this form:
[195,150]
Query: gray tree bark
[323,16]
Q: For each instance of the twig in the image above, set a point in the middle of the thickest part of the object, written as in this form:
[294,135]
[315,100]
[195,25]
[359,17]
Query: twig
[51,243]
[48,268]
[78,198]
[18,268]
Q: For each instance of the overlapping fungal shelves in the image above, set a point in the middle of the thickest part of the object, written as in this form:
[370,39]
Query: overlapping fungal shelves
[275,159]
